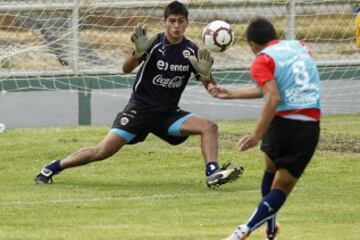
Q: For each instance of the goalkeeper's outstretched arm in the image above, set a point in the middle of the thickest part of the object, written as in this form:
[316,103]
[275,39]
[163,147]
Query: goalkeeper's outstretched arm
[235,93]
[208,82]
[131,62]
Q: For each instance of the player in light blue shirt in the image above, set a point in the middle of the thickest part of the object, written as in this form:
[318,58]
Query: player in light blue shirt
[289,125]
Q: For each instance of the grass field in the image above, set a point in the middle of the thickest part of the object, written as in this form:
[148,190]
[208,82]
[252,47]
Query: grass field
[154,191]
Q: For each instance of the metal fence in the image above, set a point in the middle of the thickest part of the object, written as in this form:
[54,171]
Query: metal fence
[61,38]
[64,37]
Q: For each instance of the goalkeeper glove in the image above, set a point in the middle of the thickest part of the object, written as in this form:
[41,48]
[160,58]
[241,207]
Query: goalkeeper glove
[140,40]
[203,63]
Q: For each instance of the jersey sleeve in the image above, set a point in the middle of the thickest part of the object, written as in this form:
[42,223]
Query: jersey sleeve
[262,69]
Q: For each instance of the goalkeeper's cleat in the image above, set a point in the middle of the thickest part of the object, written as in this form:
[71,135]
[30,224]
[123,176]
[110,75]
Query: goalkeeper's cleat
[46,174]
[240,233]
[223,176]
[272,236]
[44,177]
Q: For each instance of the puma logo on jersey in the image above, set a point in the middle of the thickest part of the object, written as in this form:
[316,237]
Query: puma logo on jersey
[162,51]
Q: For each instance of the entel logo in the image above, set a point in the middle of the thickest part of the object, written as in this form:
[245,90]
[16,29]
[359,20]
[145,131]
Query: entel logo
[164,66]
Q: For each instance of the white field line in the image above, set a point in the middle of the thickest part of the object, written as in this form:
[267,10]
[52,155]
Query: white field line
[130,198]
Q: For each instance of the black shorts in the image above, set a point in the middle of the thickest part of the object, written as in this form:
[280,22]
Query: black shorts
[290,144]
[136,121]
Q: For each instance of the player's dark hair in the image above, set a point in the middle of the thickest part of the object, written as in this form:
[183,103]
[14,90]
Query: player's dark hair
[176,7]
[260,31]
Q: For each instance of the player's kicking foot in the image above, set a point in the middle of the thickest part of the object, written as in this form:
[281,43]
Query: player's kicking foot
[45,175]
[272,236]
[241,233]
[223,176]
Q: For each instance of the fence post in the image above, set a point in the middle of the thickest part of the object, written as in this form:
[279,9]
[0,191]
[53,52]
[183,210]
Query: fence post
[291,22]
[74,40]
[84,91]
[84,101]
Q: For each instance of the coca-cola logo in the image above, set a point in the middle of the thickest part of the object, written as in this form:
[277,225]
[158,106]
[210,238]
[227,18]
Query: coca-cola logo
[175,82]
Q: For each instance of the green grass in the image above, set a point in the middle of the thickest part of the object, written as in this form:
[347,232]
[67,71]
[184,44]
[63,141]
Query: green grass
[155,191]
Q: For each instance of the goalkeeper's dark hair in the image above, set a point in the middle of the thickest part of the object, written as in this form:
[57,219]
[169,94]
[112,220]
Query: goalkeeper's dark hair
[260,31]
[176,7]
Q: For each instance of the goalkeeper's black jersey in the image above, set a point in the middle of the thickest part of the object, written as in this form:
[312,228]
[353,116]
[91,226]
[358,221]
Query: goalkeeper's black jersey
[164,73]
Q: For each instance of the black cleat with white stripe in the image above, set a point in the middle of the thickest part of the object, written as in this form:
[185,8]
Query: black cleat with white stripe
[224,175]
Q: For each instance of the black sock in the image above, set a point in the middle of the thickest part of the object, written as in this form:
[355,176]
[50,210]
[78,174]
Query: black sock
[265,189]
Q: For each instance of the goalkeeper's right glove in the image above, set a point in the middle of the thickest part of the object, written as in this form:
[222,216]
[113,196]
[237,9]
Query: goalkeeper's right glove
[203,63]
[140,40]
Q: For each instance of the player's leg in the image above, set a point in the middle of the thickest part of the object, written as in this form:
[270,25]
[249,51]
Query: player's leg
[267,180]
[128,127]
[208,130]
[209,136]
[110,144]
[283,183]
[175,129]
[268,177]
[281,144]
[271,145]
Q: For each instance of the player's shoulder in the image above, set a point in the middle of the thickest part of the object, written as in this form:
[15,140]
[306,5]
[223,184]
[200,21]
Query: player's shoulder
[261,61]
[295,43]
[262,58]
[305,47]
[157,42]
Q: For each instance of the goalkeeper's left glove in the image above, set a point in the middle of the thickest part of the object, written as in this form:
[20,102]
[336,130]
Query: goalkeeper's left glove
[203,63]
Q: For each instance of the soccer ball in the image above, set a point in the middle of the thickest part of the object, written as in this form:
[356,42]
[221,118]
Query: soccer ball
[2,128]
[218,36]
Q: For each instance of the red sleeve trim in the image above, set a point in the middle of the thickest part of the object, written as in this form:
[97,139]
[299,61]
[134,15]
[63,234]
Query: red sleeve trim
[309,112]
[262,69]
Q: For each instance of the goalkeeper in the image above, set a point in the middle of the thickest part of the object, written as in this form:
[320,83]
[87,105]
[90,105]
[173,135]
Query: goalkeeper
[166,61]
[289,125]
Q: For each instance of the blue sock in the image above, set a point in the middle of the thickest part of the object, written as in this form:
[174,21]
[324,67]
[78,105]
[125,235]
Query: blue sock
[211,167]
[54,166]
[265,189]
[267,208]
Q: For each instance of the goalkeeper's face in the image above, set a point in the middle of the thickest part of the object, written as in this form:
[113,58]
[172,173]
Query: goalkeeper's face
[175,26]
